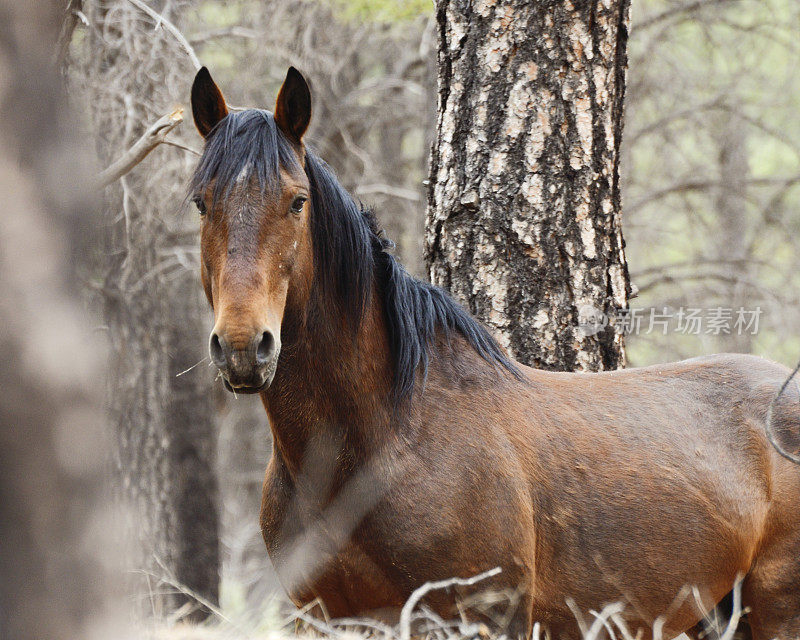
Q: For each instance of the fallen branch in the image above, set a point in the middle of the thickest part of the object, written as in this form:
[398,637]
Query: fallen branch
[420,592]
[736,614]
[601,621]
[150,139]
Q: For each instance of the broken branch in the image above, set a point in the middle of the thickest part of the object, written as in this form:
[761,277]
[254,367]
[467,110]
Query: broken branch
[150,139]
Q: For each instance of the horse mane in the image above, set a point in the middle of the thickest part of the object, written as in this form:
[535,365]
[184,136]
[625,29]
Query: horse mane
[350,252]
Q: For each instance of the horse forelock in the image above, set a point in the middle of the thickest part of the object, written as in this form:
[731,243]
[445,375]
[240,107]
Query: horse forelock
[244,146]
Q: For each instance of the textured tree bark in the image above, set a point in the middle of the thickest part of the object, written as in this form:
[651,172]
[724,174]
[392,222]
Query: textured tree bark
[524,210]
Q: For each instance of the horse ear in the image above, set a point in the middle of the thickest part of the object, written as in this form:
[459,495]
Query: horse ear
[208,105]
[293,106]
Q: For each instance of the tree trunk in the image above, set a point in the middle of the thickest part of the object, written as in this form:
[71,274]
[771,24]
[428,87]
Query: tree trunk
[161,405]
[524,210]
[53,515]
[731,218]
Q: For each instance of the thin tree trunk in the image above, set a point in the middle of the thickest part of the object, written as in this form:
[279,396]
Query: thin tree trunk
[731,210]
[165,422]
[524,208]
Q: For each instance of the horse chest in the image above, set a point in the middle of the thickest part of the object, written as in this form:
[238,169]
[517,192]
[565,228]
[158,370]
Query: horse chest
[323,553]
[364,556]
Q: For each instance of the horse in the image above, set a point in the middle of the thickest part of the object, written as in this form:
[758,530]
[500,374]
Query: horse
[409,448]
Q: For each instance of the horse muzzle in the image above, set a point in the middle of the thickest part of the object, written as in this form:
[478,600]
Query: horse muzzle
[247,366]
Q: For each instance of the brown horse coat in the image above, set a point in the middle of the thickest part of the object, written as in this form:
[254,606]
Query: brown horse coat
[597,487]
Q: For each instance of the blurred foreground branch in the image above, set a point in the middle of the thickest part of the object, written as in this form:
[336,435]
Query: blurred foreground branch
[72,14]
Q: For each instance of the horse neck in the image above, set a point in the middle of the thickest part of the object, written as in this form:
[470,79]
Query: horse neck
[331,395]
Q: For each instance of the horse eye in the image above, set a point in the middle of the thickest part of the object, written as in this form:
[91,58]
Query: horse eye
[200,204]
[297,204]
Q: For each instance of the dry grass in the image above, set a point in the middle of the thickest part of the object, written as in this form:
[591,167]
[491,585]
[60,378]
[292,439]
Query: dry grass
[273,622]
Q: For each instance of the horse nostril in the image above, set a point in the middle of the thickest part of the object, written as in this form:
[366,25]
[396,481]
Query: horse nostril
[266,348]
[216,351]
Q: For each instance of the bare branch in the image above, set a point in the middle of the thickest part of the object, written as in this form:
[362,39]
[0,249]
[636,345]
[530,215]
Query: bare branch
[733,624]
[162,21]
[149,140]
[601,620]
[225,32]
[734,280]
[705,185]
[178,145]
[658,623]
[770,431]
[388,190]
[670,118]
[738,263]
[687,7]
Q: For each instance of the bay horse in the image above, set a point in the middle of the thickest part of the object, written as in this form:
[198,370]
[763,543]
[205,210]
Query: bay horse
[408,447]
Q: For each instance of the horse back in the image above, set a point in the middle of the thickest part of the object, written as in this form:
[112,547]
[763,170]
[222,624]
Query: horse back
[646,480]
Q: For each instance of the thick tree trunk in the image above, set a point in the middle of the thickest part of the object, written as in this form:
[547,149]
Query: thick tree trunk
[524,205]
[53,516]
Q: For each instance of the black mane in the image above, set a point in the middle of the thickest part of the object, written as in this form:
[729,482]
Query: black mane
[349,251]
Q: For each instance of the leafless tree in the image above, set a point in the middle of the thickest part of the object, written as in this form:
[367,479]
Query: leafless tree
[711,171]
[130,65]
